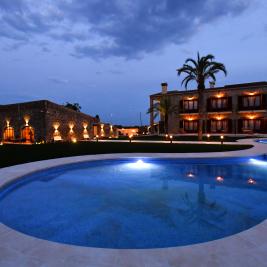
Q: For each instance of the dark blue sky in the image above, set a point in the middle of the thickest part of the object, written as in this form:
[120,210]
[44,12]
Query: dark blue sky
[110,55]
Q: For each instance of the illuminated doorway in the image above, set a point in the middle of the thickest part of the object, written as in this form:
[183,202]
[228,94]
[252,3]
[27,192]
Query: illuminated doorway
[27,134]
[9,134]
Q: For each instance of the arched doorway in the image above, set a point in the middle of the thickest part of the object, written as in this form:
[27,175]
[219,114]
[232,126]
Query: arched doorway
[27,134]
[9,134]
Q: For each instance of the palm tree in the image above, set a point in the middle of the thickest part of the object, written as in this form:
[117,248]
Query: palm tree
[201,70]
[74,106]
[163,108]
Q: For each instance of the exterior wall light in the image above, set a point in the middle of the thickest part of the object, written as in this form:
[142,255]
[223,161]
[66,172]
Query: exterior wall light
[111,131]
[85,131]
[251,93]
[220,95]
[71,125]
[26,119]
[251,117]
[102,132]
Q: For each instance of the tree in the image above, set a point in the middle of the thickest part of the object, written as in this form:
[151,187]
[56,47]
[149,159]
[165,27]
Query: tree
[163,108]
[201,70]
[74,106]
[97,118]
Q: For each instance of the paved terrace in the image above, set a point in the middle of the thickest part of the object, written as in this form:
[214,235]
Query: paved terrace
[246,249]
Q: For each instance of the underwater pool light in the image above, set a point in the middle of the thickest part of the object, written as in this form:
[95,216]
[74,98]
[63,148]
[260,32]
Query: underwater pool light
[190,175]
[219,179]
[258,162]
[140,165]
[251,181]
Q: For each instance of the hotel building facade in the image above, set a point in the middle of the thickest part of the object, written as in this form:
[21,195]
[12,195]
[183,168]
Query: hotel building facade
[232,109]
[45,121]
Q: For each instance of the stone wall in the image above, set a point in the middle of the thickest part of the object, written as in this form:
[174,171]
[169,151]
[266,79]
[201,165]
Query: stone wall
[45,117]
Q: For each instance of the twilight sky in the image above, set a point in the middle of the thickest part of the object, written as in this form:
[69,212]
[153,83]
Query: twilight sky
[110,55]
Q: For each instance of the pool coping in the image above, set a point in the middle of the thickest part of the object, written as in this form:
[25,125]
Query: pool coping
[247,248]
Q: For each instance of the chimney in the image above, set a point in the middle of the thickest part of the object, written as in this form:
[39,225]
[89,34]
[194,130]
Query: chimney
[212,84]
[164,87]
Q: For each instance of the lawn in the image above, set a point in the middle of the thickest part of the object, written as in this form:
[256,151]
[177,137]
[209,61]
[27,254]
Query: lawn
[17,154]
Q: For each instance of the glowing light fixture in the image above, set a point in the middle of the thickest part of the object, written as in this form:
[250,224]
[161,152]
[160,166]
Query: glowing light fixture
[190,175]
[251,117]
[219,179]
[251,93]
[140,165]
[71,126]
[26,119]
[220,95]
[251,181]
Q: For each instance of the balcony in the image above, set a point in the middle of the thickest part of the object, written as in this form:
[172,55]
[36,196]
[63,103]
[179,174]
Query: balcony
[219,104]
[253,102]
[189,106]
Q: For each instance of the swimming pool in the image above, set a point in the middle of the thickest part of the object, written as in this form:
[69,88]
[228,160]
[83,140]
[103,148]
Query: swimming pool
[263,141]
[138,203]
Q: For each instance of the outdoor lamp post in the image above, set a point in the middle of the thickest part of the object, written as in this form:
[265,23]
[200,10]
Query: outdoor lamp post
[166,136]
[97,136]
[130,138]
[208,137]
[222,137]
[171,138]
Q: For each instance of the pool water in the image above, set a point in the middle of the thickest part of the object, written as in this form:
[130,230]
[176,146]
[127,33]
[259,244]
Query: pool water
[134,204]
[263,141]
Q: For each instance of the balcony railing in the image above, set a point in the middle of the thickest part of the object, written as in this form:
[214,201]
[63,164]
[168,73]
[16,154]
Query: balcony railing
[189,110]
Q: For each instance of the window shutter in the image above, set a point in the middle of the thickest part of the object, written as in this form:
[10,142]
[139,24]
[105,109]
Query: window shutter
[230,103]
[264,101]
[208,104]
[230,126]
[208,125]
[181,106]
[239,102]
[240,125]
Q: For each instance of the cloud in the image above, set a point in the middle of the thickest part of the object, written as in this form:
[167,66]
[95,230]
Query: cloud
[58,80]
[120,28]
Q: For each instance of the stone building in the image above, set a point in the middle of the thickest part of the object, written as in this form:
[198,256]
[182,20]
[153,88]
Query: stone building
[46,121]
[232,109]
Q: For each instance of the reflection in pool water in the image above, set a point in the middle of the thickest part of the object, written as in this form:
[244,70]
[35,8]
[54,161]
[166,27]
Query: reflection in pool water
[138,204]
